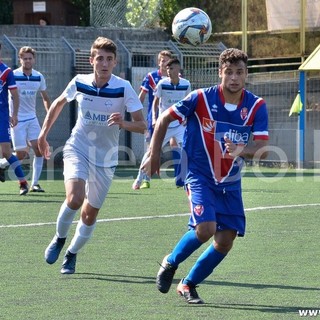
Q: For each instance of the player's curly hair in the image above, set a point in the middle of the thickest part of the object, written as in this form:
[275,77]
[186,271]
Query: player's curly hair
[104,44]
[232,55]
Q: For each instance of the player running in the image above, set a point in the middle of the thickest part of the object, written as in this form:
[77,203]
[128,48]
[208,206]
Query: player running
[220,120]
[90,155]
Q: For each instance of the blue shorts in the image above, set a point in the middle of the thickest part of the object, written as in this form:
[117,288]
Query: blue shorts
[221,206]
[5,130]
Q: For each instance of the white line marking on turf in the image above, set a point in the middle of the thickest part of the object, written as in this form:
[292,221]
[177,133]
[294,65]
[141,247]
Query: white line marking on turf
[39,224]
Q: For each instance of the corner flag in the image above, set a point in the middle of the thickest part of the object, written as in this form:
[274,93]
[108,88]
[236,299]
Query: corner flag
[296,106]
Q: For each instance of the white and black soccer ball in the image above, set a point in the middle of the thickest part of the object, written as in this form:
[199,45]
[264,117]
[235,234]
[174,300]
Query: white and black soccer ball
[191,26]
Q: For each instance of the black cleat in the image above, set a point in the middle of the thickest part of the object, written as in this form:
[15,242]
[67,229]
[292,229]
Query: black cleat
[2,175]
[69,263]
[189,293]
[165,275]
[36,188]
[24,188]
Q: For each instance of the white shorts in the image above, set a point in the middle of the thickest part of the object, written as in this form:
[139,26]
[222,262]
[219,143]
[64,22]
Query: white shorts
[175,132]
[98,179]
[24,131]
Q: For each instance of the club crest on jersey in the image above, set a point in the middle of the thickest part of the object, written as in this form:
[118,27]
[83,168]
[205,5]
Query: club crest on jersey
[108,103]
[208,125]
[244,113]
[198,209]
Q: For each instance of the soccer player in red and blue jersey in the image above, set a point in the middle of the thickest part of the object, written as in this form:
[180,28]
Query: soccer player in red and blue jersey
[219,123]
[7,83]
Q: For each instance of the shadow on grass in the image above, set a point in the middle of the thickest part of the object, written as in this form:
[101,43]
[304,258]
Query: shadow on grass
[143,280]
[264,308]
[254,307]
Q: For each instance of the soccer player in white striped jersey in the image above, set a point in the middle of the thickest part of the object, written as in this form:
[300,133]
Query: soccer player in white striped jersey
[169,91]
[91,153]
[29,82]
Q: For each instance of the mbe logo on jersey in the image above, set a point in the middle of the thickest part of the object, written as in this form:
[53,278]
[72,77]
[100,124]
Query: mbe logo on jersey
[91,118]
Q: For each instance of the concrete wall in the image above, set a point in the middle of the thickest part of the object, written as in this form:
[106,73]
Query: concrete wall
[34,31]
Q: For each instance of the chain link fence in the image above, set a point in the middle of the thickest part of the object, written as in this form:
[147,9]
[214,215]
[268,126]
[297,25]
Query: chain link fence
[124,13]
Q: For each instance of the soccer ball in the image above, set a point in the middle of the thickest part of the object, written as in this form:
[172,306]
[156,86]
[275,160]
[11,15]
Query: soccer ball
[191,26]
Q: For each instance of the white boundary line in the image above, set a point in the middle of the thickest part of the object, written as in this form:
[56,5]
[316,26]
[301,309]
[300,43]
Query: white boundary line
[158,217]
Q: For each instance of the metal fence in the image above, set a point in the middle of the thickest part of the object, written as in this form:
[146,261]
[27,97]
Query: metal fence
[54,61]
[60,59]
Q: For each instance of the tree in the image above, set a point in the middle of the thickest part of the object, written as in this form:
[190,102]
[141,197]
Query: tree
[84,11]
[6,12]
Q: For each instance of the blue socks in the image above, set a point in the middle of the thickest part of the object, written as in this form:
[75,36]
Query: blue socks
[16,165]
[204,266]
[184,248]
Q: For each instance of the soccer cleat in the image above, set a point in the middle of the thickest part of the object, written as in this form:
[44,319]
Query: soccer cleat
[189,293]
[2,175]
[69,263]
[53,250]
[36,188]
[24,188]
[136,184]
[145,184]
[165,275]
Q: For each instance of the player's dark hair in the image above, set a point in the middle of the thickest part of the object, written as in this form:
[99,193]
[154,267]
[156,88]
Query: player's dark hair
[173,61]
[104,44]
[232,55]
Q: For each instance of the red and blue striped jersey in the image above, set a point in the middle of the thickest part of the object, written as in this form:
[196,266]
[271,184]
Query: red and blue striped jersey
[7,82]
[208,122]
[149,84]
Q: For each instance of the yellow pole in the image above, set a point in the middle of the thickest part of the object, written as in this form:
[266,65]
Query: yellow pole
[244,25]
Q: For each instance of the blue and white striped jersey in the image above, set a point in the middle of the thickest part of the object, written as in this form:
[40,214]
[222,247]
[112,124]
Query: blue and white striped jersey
[91,135]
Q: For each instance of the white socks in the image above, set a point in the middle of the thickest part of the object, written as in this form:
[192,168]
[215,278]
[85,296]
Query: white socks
[36,169]
[81,237]
[64,220]
[4,163]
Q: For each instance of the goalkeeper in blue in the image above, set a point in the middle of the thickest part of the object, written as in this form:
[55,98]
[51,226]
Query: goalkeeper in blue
[219,122]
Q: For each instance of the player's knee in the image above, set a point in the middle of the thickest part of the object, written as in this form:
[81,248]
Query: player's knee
[205,231]
[74,201]
[223,245]
[223,248]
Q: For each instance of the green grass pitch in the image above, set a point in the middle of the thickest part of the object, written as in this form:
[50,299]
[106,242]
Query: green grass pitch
[271,273]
